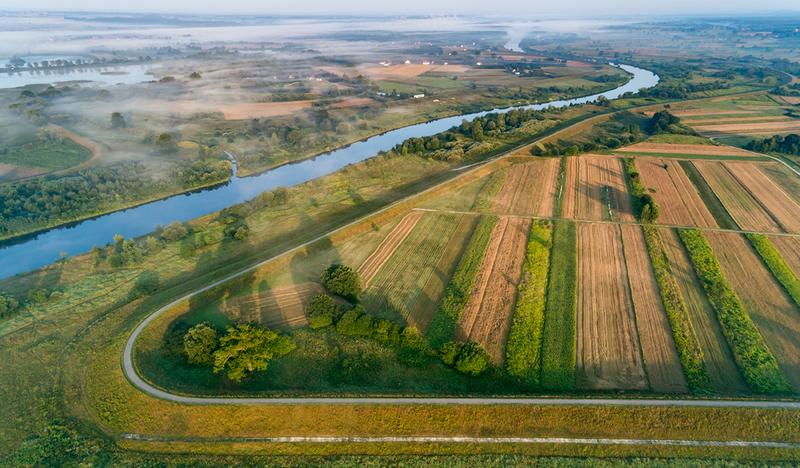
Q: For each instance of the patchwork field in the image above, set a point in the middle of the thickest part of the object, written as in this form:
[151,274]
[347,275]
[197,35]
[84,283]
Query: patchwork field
[596,190]
[375,261]
[686,149]
[780,206]
[282,307]
[487,316]
[746,211]
[773,312]
[717,357]
[608,354]
[675,194]
[664,371]
[529,189]
[750,128]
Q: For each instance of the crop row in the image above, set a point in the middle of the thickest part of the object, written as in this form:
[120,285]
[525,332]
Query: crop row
[523,350]
[777,265]
[755,360]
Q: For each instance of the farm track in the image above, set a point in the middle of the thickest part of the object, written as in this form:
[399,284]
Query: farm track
[369,269]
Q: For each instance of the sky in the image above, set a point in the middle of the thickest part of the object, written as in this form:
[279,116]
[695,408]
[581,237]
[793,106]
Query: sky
[507,7]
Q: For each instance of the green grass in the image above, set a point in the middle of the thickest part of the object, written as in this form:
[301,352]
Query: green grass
[777,265]
[712,202]
[755,360]
[562,179]
[676,139]
[54,154]
[558,345]
[458,290]
[524,346]
[493,184]
[686,341]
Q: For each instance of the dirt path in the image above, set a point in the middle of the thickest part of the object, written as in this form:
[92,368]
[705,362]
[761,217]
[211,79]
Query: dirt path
[94,148]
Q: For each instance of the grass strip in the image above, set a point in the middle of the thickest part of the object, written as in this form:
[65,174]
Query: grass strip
[712,202]
[686,341]
[558,341]
[562,186]
[524,347]
[458,290]
[777,265]
[635,186]
[756,361]
[492,186]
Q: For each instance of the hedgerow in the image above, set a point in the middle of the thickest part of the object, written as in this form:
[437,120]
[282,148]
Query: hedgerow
[755,360]
[777,265]
[686,341]
[524,347]
[457,292]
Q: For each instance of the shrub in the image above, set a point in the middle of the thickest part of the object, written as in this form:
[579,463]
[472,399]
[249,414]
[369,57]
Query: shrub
[472,359]
[342,281]
[147,283]
[755,360]
[199,344]
[321,311]
[174,232]
[644,205]
[449,353]
[8,305]
[413,349]
[355,322]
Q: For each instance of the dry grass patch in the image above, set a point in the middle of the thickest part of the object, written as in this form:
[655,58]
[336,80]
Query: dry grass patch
[596,190]
[667,148]
[608,354]
[783,209]
[529,189]
[664,370]
[677,197]
[737,200]
[773,312]
[375,261]
[487,316]
[252,110]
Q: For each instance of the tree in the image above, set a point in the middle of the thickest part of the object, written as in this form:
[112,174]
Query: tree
[472,359]
[147,283]
[8,305]
[199,344]
[661,122]
[342,281]
[248,348]
[449,353]
[117,120]
[321,311]
[174,232]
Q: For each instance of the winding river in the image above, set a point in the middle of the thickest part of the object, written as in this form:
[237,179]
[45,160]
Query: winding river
[31,252]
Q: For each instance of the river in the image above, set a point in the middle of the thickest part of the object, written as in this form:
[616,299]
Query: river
[31,252]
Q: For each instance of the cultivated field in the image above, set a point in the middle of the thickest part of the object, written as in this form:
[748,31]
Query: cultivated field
[789,248]
[745,210]
[664,371]
[596,190]
[677,197]
[780,206]
[687,149]
[773,312]
[529,189]
[608,354]
[718,359]
[750,128]
[282,307]
[487,315]
[375,261]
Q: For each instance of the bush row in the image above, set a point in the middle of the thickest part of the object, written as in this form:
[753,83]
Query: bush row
[524,347]
[644,206]
[755,360]
[457,292]
[777,265]
[686,341]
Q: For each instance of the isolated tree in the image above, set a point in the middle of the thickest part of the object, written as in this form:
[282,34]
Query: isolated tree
[248,348]
[8,305]
[147,283]
[321,311]
[342,281]
[174,232]
[472,359]
[117,120]
[199,344]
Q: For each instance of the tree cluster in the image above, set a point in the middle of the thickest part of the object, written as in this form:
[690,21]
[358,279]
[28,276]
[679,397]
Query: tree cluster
[788,144]
[467,358]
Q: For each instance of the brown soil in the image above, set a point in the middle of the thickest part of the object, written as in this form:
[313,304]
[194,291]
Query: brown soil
[251,110]
[686,149]
[675,194]
[406,70]
[789,248]
[750,127]
[773,312]
[737,200]
[374,262]
[487,316]
[770,118]
[778,203]
[529,189]
[664,370]
[695,112]
[608,354]
[596,190]
[282,307]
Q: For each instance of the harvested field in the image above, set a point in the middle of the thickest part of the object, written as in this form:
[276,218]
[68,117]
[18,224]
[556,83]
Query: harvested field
[675,194]
[773,312]
[529,189]
[717,121]
[398,286]
[596,190]
[789,248]
[685,149]
[250,110]
[781,207]
[409,70]
[426,306]
[608,354]
[696,112]
[786,179]
[282,307]
[375,261]
[740,204]
[720,364]
[487,317]
[750,128]
[664,370]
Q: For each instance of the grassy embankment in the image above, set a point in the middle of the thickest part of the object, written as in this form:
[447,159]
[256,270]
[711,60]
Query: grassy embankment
[755,360]
[524,346]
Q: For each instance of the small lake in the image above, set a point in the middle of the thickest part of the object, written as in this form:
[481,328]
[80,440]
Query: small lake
[104,75]
[28,253]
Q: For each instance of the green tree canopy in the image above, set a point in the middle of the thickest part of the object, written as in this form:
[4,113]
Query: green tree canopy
[342,281]
[199,344]
[248,348]
[321,311]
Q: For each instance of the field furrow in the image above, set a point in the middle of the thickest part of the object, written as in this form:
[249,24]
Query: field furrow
[282,307]
[677,197]
[375,261]
[789,248]
[529,189]
[608,354]
[664,371]
[777,203]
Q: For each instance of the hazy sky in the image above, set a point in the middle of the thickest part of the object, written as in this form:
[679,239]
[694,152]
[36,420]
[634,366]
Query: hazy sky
[571,7]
